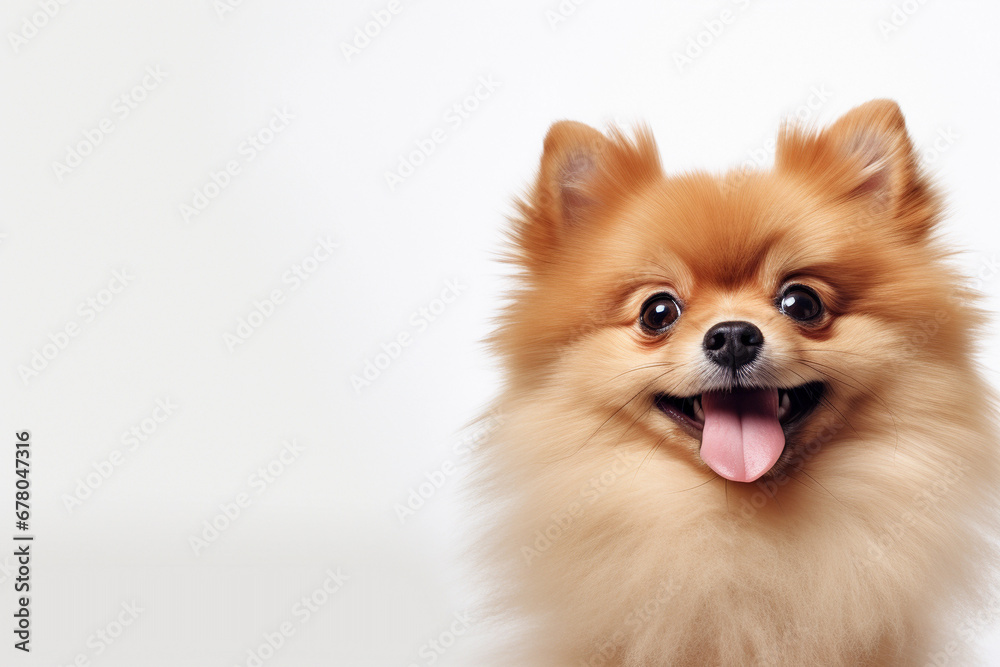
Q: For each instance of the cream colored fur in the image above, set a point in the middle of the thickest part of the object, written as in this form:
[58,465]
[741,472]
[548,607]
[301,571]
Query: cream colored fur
[611,541]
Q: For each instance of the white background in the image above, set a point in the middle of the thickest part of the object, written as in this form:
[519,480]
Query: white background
[224,73]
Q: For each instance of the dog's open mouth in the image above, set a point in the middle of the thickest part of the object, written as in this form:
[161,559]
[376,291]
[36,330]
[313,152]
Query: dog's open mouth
[793,404]
[742,430]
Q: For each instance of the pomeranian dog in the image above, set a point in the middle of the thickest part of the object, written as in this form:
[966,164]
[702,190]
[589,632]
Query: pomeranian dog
[741,422]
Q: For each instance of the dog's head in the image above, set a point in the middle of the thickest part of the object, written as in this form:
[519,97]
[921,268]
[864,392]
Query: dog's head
[736,319]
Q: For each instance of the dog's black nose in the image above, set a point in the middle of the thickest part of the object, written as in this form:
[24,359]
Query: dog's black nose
[733,344]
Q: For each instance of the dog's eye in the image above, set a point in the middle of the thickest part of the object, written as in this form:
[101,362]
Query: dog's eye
[659,312]
[800,303]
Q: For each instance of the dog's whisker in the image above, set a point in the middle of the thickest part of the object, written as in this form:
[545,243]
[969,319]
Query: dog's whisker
[831,350]
[697,486]
[795,479]
[860,386]
[648,454]
[641,391]
[825,401]
[657,364]
[632,424]
[821,485]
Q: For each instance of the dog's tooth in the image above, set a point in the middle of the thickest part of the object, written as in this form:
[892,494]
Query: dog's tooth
[698,412]
[785,405]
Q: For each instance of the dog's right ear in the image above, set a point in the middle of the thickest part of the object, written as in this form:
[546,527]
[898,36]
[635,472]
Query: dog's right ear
[582,173]
[571,160]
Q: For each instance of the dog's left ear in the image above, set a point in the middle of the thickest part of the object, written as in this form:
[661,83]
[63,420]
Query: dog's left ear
[873,138]
[866,157]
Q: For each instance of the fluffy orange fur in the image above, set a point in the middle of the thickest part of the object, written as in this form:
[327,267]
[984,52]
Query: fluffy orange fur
[614,544]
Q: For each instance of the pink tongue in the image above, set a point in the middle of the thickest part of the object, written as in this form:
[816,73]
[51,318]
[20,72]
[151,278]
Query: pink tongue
[742,438]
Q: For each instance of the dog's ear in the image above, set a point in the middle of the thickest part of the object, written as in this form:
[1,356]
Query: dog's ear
[866,157]
[571,159]
[873,138]
[583,173]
